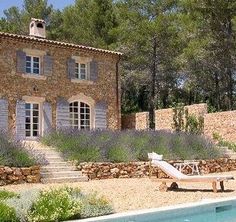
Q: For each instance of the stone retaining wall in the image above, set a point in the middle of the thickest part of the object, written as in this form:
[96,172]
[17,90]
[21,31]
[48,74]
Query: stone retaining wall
[14,175]
[141,169]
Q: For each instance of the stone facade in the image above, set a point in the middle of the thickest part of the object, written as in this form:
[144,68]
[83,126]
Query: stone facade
[16,86]
[14,175]
[99,171]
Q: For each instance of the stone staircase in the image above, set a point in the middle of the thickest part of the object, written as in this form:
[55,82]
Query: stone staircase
[229,152]
[57,170]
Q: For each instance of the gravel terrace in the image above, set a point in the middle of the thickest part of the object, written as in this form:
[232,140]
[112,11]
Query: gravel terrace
[133,194]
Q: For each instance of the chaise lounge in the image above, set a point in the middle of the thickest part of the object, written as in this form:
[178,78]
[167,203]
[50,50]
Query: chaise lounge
[177,176]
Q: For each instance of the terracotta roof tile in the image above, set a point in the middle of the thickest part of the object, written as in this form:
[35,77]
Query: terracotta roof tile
[65,44]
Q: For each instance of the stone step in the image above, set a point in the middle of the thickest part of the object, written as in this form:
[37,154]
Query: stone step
[61,174]
[65,179]
[59,164]
[54,159]
[57,168]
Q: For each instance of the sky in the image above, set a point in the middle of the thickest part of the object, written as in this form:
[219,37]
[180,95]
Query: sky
[57,4]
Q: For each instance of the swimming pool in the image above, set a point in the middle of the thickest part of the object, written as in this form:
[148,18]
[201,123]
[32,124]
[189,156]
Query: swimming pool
[217,210]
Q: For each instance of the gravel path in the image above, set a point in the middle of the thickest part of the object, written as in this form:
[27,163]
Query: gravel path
[133,194]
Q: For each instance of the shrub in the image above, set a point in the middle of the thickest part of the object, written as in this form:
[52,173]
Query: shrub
[94,206]
[7,214]
[130,145]
[13,153]
[222,142]
[23,202]
[55,205]
[4,194]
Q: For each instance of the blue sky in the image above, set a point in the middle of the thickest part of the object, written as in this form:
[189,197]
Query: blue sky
[57,4]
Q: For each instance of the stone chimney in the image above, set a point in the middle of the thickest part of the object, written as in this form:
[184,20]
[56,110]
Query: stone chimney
[37,28]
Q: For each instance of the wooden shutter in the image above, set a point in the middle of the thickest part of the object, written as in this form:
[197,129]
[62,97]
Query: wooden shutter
[20,61]
[3,115]
[71,68]
[93,71]
[63,114]
[47,117]
[101,115]
[20,119]
[47,65]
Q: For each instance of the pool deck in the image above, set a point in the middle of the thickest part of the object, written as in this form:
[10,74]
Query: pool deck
[136,194]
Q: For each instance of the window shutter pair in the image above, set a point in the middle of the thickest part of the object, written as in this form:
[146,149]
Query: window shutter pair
[21,63]
[93,75]
[20,119]
[3,115]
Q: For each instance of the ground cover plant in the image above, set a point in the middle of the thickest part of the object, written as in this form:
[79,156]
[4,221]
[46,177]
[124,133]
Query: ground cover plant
[59,204]
[13,153]
[124,146]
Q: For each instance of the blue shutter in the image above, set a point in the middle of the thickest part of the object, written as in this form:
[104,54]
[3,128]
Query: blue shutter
[20,61]
[20,120]
[3,115]
[93,71]
[47,65]
[71,68]
[63,114]
[101,115]
[47,117]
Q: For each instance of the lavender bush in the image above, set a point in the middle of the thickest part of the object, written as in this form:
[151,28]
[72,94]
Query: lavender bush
[13,153]
[130,145]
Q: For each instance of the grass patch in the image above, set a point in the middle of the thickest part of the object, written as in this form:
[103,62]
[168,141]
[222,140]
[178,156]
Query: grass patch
[131,145]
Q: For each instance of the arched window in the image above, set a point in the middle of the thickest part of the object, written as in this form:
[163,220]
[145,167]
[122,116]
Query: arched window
[80,115]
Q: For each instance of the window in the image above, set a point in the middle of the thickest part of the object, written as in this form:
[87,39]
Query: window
[31,119]
[80,115]
[81,71]
[32,65]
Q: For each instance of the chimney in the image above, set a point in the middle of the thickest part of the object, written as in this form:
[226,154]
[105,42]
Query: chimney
[37,28]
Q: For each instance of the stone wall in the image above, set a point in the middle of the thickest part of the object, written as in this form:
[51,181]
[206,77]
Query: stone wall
[223,123]
[14,175]
[15,85]
[141,169]
[163,118]
[136,121]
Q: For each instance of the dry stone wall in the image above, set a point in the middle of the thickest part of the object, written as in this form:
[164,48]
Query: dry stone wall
[96,171]
[223,123]
[14,175]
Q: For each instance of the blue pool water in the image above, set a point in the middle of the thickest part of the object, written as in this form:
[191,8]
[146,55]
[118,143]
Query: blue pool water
[223,210]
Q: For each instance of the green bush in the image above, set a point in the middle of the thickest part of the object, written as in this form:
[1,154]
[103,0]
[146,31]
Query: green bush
[118,154]
[13,153]
[7,214]
[94,206]
[55,205]
[4,194]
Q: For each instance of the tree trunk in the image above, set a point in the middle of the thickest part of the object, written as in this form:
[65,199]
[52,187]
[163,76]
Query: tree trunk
[153,86]
[217,92]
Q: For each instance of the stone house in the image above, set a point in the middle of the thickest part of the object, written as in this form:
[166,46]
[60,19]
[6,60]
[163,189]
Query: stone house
[50,84]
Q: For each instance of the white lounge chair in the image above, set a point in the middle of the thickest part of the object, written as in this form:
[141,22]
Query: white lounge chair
[177,176]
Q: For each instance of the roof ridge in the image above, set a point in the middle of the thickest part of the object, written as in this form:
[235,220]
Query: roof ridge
[67,44]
